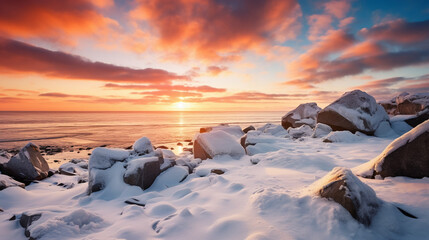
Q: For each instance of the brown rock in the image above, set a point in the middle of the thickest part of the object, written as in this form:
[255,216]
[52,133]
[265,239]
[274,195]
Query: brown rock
[27,219]
[199,151]
[407,107]
[142,172]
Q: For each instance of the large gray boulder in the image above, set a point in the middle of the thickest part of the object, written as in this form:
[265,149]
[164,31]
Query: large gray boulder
[214,143]
[142,172]
[354,111]
[341,186]
[27,165]
[408,155]
[304,114]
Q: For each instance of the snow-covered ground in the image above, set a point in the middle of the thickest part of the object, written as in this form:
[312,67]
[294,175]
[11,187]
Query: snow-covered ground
[267,200]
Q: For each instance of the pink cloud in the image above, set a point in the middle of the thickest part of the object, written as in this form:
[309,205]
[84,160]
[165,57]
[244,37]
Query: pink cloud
[337,8]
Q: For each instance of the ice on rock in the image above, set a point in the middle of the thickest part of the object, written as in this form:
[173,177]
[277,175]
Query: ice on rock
[304,114]
[214,143]
[408,155]
[343,187]
[103,158]
[354,111]
[6,181]
[143,146]
[341,136]
[321,130]
[303,131]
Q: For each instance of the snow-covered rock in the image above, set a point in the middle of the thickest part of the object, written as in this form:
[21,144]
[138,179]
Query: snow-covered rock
[303,131]
[249,128]
[275,130]
[27,165]
[6,181]
[27,218]
[385,130]
[142,172]
[406,103]
[418,118]
[213,143]
[407,155]
[171,177]
[103,158]
[341,136]
[304,114]
[354,111]
[343,187]
[321,130]
[143,146]
[233,130]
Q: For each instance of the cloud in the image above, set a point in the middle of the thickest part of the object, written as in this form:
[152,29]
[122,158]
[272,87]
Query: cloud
[398,31]
[203,88]
[319,24]
[55,21]
[216,30]
[216,70]
[250,97]
[337,8]
[339,54]
[18,57]
[63,95]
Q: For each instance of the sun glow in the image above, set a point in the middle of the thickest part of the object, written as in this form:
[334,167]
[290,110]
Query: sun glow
[180,105]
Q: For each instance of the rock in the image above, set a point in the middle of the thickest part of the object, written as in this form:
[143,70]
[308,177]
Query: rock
[408,155]
[27,165]
[162,147]
[303,131]
[179,144]
[135,201]
[210,144]
[142,172]
[304,114]
[406,104]
[354,111]
[73,169]
[418,119]
[143,146]
[321,130]
[218,171]
[249,128]
[6,181]
[341,136]
[273,129]
[341,186]
[27,219]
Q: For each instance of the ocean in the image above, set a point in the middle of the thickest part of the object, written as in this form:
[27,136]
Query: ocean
[116,129]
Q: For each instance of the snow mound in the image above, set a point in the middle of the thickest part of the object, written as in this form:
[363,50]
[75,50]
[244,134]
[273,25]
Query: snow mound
[341,136]
[6,181]
[214,143]
[303,131]
[408,155]
[304,114]
[78,222]
[143,146]
[342,186]
[102,158]
[354,111]
[234,130]
[385,130]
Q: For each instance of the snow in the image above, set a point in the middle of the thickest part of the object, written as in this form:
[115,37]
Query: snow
[263,196]
[143,146]
[302,131]
[376,163]
[304,111]
[135,164]
[321,130]
[341,136]
[385,130]
[6,181]
[103,158]
[233,130]
[220,143]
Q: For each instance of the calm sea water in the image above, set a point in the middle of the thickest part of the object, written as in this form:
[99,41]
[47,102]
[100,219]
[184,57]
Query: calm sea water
[117,129]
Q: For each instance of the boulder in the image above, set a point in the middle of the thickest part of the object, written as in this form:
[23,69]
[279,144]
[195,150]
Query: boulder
[354,111]
[210,144]
[6,181]
[341,186]
[27,165]
[408,155]
[304,114]
[419,118]
[142,172]
[143,146]
[303,131]
[406,104]
[103,158]
[249,128]
[321,130]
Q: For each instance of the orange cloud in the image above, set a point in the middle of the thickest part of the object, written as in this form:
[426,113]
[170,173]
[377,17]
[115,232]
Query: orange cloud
[216,70]
[203,88]
[18,57]
[319,24]
[337,8]
[363,49]
[57,21]
[217,30]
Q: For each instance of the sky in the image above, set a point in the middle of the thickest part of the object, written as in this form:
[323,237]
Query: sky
[207,55]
